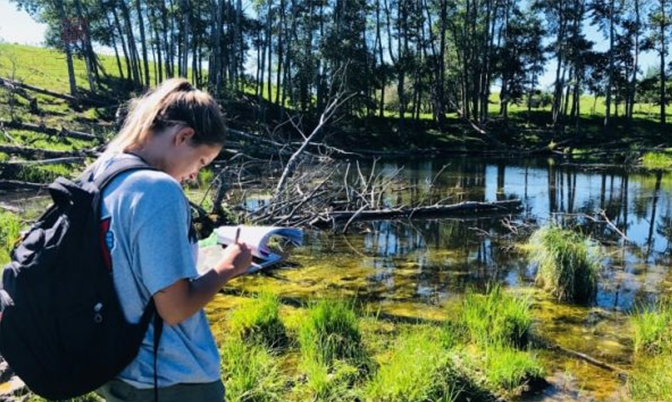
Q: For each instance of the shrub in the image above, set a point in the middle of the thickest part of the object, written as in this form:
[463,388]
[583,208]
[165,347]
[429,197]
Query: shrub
[568,264]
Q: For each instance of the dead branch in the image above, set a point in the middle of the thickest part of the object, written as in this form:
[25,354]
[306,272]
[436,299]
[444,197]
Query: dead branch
[36,153]
[434,210]
[54,161]
[21,185]
[63,132]
[93,102]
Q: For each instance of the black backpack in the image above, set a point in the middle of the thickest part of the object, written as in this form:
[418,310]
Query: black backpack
[62,329]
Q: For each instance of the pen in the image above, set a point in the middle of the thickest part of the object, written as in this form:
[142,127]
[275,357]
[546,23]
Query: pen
[237,234]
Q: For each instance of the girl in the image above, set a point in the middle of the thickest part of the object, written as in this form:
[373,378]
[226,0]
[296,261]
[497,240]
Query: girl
[177,130]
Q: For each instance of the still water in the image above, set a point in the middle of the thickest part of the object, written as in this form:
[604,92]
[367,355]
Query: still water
[418,268]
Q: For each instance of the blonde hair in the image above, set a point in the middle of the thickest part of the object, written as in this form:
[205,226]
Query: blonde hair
[175,102]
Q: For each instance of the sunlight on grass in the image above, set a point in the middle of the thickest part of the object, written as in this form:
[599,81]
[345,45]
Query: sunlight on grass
[10,227]
[259,322]
[567,263]
[250,372]
[657,161]
[496,318]
[419,370]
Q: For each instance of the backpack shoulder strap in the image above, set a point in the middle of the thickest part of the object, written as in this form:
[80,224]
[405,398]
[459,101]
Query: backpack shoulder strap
[118,167]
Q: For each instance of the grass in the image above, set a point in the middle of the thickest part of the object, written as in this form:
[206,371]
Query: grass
[250,372]
[652,329]
[657,161]
[567,263]
[10,227]
[652,380]
[508,369]
[331,332]
[496,318]
[259,322]
[333,356]
[419,369]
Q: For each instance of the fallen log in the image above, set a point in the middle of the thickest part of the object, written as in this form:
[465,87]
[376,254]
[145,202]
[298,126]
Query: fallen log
[63,132]
[21,185]
[42,162]
[540,342]
[35,153]
[433,210]
[90,101]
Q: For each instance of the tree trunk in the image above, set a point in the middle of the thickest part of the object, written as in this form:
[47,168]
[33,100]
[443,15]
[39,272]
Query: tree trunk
[662,61]
[68,53]
[610,84]
[143,42]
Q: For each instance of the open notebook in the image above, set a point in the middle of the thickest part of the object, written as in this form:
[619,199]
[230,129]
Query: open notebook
[257,237]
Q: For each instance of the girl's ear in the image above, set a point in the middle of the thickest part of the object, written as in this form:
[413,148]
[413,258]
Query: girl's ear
[183,135]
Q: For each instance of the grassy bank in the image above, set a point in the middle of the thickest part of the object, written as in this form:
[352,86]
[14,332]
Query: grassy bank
[525,129]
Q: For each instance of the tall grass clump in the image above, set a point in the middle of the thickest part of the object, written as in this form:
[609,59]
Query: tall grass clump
[657,161]
[333,356]
[652,333]
[331,331]
[496,318]
[419,369]
[568,263]
[259,321]
[508,369]
[250,373]
[10,227]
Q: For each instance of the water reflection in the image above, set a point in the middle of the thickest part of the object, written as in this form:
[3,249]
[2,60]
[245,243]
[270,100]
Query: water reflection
[418,268]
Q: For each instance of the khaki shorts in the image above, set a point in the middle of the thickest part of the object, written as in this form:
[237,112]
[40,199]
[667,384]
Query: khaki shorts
[119,391]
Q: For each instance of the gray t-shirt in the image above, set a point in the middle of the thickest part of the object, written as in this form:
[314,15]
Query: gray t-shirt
[148,239]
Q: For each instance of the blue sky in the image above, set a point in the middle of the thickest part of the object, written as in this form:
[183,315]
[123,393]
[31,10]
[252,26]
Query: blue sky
[18,27]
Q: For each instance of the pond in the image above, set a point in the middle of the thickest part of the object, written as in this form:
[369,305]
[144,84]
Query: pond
[418,268]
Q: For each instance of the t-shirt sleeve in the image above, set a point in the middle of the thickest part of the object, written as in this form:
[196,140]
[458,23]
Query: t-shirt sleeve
[164,251]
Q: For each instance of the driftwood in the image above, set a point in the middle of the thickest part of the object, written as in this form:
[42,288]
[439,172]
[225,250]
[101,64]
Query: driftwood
[51,131]
[35,153]
[423,211]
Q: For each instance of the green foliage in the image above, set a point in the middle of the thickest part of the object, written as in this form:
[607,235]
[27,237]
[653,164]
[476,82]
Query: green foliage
[90,397]
[10,227]
[332,352]
[652,329]
[250,372]
[496,318]
[419,369]
[259,322]
[652,380]
[330,332]
[657,161]
[568,263]
[507,368]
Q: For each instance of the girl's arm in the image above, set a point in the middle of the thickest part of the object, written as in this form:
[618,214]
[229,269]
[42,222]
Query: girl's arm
[184,298]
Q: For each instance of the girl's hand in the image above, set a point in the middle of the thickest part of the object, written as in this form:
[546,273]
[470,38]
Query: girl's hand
[238,256]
